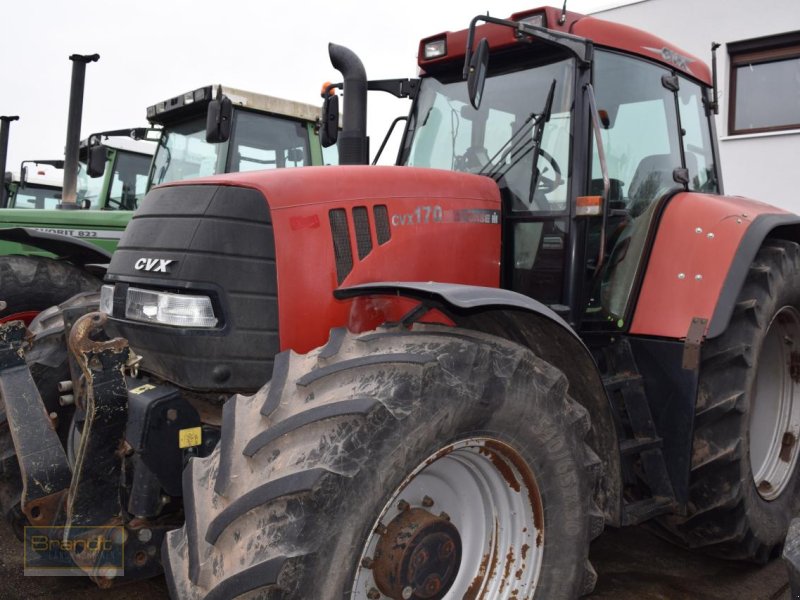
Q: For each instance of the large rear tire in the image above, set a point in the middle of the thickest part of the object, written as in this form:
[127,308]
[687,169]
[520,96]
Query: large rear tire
[744,486]
[433,463]
[30,284]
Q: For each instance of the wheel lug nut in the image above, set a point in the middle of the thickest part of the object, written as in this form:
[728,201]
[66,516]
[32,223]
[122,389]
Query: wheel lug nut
[408,591]
[427,502]
[373,594]
[403,506]
[444,515]
[367,562]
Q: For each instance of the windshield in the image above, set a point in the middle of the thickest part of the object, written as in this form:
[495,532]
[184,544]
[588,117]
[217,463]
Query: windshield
[258,141]
[35,196]
[129,182]
[183,153]
[500,139]
[90,188]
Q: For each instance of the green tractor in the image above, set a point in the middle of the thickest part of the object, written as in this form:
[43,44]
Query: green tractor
[52,254]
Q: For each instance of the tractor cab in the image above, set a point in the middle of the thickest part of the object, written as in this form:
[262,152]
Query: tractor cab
[585,136]
[37,185]
[218,129]
[113,168]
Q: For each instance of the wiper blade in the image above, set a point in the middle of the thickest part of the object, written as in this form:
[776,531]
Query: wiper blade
[507,148]
[518,145]
[537,135]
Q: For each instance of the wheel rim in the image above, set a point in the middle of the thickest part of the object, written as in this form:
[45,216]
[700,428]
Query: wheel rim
[476,507]
[775,407]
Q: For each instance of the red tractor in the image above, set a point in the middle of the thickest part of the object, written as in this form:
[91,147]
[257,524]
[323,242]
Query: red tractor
[545,320]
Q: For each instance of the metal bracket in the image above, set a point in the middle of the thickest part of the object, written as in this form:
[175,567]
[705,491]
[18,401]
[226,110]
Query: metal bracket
[94,498]
[43,464]
[694,339]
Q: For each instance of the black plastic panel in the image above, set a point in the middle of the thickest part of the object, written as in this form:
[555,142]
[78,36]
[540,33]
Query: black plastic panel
[221,241]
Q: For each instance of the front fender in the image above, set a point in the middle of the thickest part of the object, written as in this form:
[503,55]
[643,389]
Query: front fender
[75,250]
[530,323]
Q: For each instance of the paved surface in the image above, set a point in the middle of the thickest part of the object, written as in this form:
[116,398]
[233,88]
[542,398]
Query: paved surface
[632,565]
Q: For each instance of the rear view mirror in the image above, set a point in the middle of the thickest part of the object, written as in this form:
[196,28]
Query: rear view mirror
[218,120]
[329,128]
[478,65]
[295,155]
[96,163]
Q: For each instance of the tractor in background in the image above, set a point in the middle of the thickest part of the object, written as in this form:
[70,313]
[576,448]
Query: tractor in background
[50,255]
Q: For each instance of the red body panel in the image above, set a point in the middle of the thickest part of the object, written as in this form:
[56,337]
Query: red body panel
[600,32]
[447,240]
[698,237]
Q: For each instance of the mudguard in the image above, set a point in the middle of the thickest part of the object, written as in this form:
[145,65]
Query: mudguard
[703,248]
[521,319]
[75,250]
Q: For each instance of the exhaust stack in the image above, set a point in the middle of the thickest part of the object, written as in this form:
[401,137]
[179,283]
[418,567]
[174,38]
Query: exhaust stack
[70,188]
[353,140]
[5,123]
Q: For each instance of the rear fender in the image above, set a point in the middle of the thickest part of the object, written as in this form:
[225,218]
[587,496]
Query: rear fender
[702,251]
[530,323]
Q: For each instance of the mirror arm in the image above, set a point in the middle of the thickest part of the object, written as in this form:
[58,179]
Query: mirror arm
[399,88]
[580,47]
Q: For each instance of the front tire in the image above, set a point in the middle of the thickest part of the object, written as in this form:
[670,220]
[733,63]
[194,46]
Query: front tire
[433,463]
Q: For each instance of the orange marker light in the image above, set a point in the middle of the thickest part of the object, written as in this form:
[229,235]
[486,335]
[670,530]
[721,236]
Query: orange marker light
[589,206]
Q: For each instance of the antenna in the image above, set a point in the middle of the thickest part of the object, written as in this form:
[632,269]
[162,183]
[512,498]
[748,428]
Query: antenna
[563,18]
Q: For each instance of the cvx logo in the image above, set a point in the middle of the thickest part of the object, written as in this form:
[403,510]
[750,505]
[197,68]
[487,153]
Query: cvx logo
[153,265]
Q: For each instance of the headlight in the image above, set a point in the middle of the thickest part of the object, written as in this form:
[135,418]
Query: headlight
[435,49]
[178,310]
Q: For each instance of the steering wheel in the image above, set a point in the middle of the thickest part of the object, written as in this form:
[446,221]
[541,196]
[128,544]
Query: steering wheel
[472,161]
[545,185]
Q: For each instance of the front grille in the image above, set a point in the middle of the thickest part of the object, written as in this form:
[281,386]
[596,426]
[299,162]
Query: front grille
[363,236]
[382,229]
[341,243]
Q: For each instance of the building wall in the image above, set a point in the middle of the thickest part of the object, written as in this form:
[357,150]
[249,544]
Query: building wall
[763,166]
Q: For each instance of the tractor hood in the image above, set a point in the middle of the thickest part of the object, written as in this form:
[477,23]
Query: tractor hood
[270,247]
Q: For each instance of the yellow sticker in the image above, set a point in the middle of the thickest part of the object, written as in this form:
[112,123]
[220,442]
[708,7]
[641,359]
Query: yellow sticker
[142,389]
[190,437]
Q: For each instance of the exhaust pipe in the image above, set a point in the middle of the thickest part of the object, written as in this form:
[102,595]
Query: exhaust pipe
[70,189]
[353,140]
[5,123]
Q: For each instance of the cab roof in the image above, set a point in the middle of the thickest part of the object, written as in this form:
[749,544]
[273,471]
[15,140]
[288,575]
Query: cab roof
[601,33]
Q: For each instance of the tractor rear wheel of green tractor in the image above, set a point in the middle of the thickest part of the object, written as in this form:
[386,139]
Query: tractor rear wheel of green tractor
[30,284]
[433,463]
[745,486]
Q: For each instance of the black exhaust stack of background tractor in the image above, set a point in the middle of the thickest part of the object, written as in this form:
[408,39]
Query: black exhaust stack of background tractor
[4,127]
[69,193]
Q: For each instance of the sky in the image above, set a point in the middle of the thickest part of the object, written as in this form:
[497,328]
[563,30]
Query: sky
[151,50]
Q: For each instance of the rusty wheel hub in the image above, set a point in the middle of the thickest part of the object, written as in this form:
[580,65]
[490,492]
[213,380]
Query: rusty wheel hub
[417,557]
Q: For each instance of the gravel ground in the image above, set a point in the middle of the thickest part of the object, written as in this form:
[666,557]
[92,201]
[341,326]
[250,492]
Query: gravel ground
[632,565]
